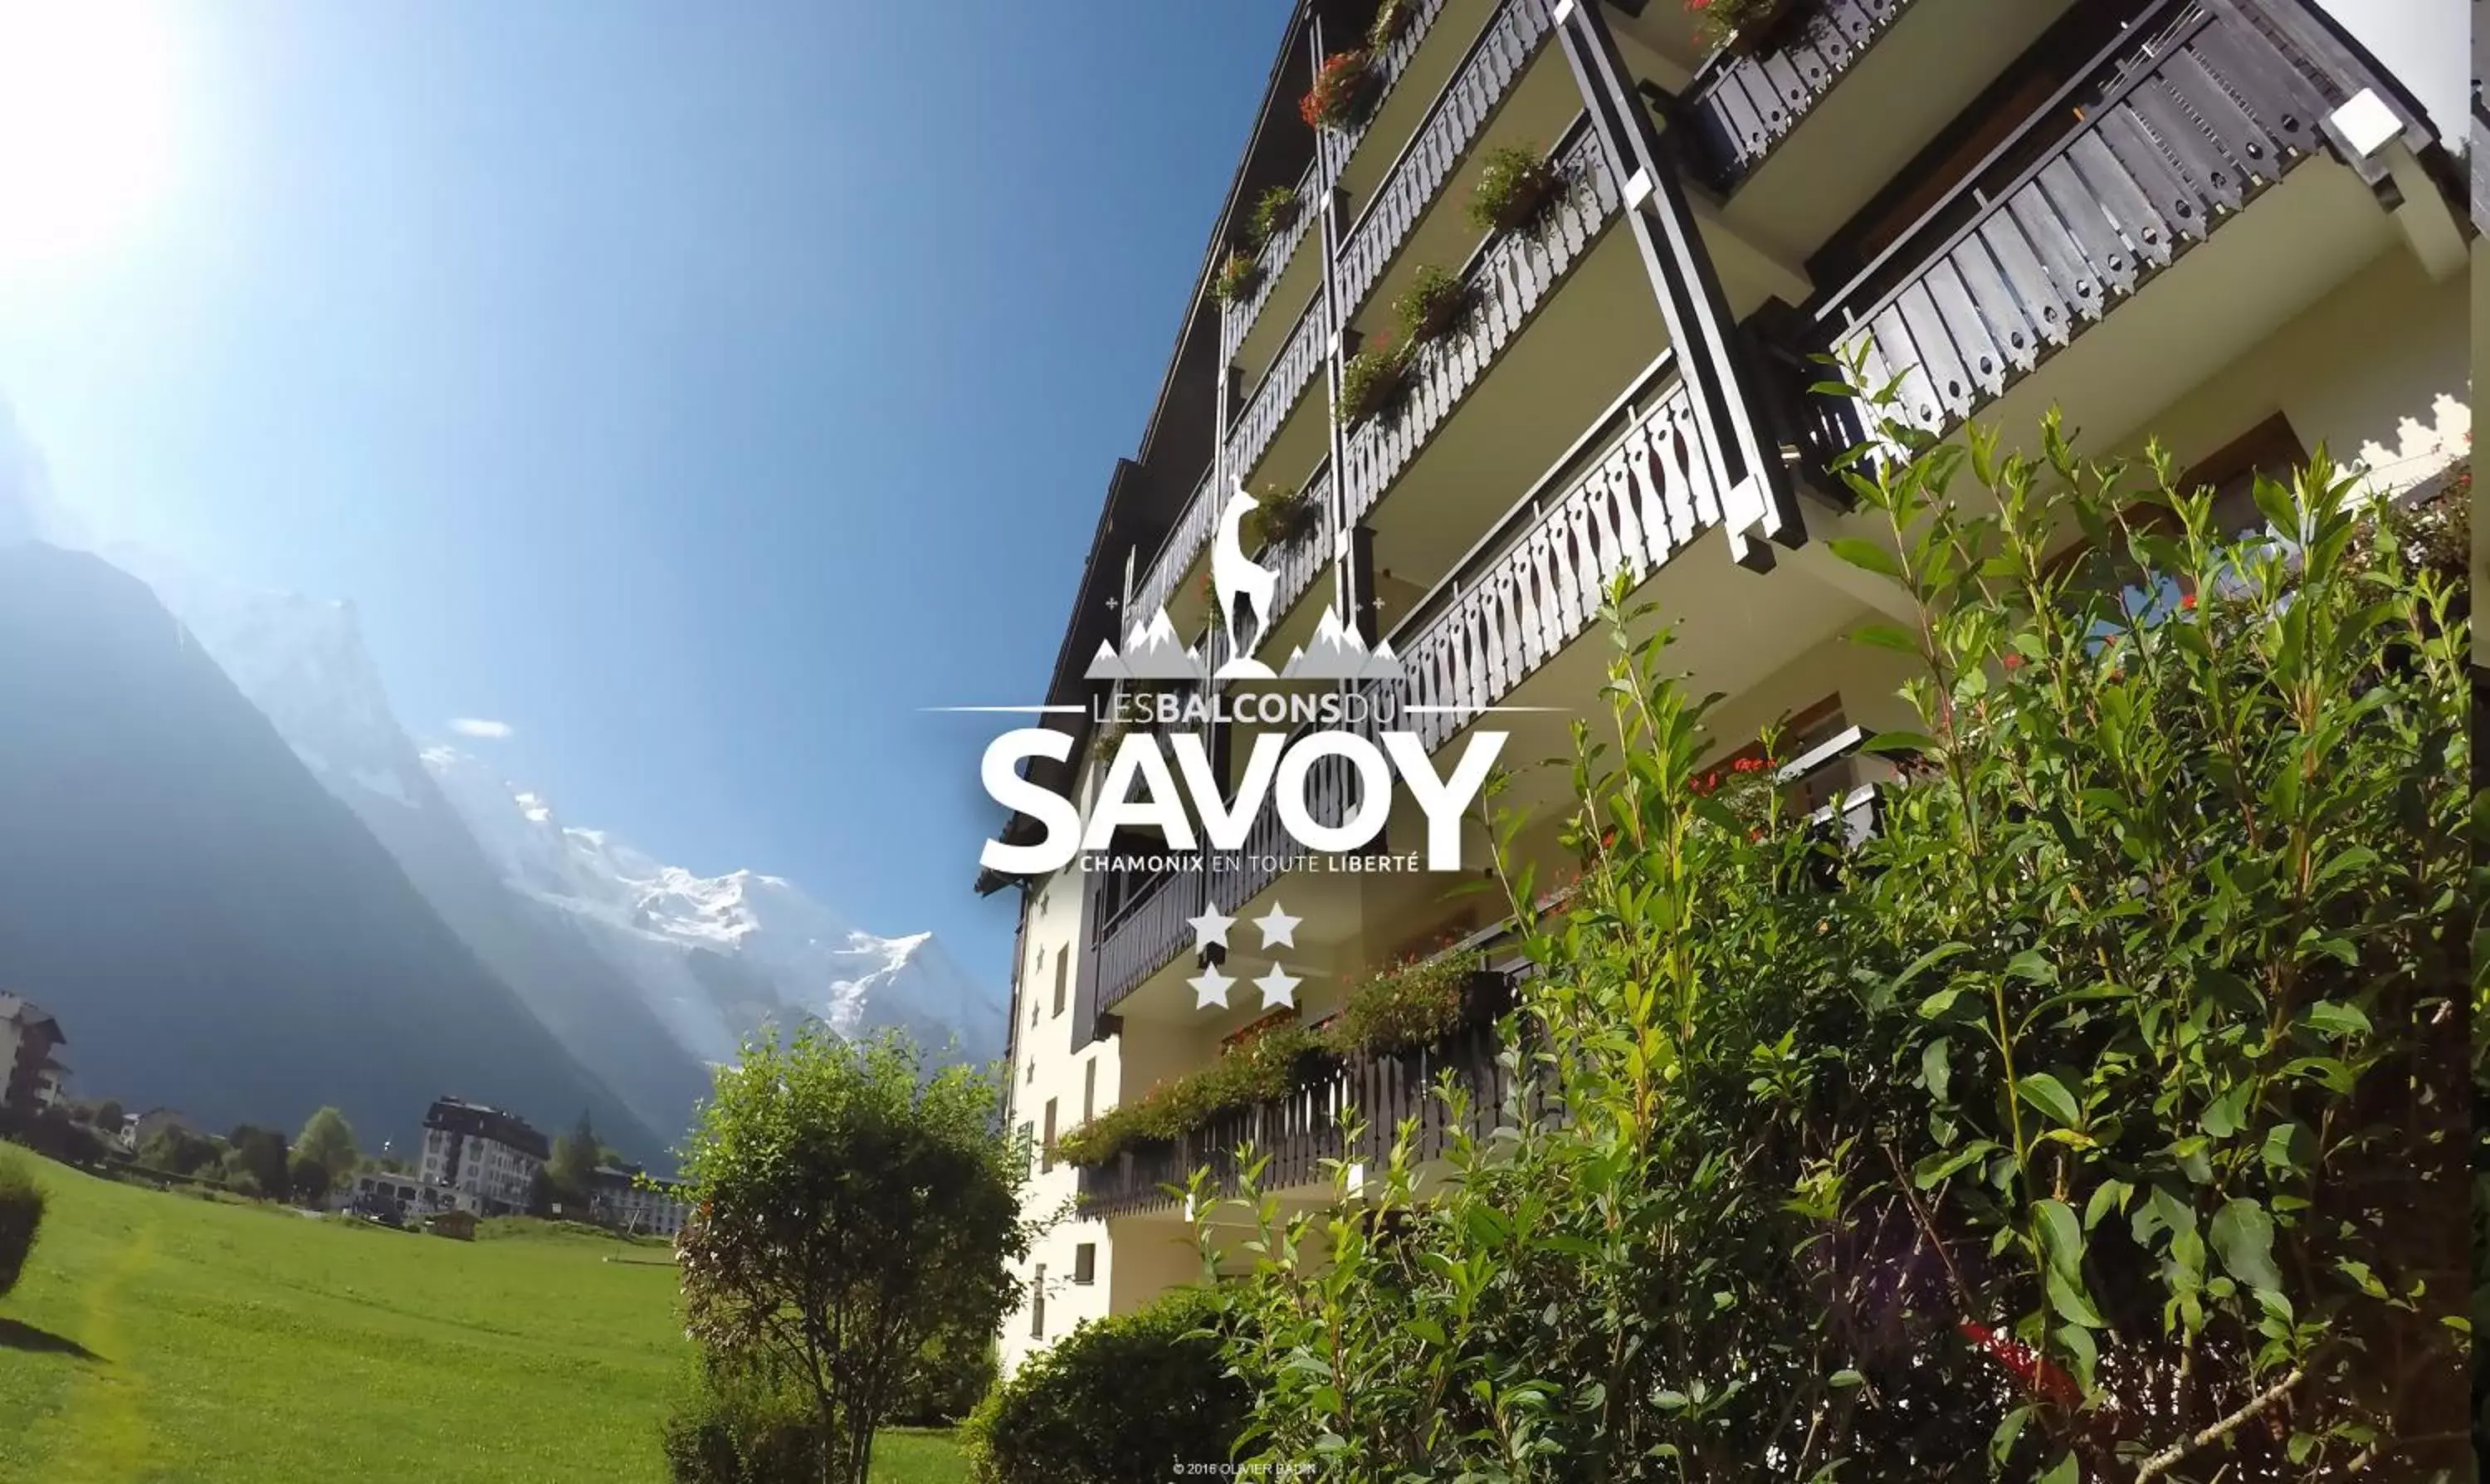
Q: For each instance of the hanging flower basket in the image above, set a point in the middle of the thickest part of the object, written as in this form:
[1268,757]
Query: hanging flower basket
[1274,213]
[1284,516]
[1373,382]
[1345,88]
[1238,277]
[1392,21]
[1742,27]
[1516,189]
[1434,305]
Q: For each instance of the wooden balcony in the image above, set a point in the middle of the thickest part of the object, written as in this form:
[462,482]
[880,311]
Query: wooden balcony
[1742,105]
[2169,136]
[1301,1131]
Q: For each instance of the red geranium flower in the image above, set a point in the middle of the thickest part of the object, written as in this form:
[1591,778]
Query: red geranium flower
[2015,661]
[2188,601]
[2048,1380]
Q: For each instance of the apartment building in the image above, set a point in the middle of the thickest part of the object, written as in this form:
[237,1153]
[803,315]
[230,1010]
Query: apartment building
[30,1073]
[2229,225]
[621,1202]
[480,1158]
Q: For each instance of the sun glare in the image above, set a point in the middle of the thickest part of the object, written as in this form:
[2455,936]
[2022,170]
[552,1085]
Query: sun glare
[87,135]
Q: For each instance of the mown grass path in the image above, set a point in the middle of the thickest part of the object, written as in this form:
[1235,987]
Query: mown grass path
[160,1337]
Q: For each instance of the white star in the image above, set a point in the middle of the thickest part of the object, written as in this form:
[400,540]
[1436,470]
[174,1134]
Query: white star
[1210,987]
[1210,928]
[1279,929]
[1278,987]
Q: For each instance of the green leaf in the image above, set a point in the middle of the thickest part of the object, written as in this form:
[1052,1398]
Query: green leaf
[2030,964]
[1935,1005]
[2001,1443]
[2224,1114]
[1934,1068]
[2243,1237]
[1847,1379]
[1865,555]
[1902,745]
[1669,1401]
[2065,1472]
[2050,1097]
[1886,636]
[2072,1304]
[2329,1017]
[1937,1167]
[2288,1148]
[2106,1198]
[2062,1236]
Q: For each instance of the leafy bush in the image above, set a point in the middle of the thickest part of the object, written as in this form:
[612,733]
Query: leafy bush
[1274,213]
[1239,276]
[953,1372]
[1260,1070]
[1371,381]
[1516,187]
[309,1178]
[1345,88]
[1432,305]
[1408,1005]
[740,1425]
[1128,1400]
[22,1217]
[2092,1120]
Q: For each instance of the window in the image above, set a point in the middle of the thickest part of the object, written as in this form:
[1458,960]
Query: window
[1062,964]
[1089,1090]
[1046,1150]
[1084,1263]
[1037,1305]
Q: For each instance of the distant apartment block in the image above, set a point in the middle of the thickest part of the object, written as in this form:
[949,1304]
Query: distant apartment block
[29,1074]
[482,1157]
[623,1202]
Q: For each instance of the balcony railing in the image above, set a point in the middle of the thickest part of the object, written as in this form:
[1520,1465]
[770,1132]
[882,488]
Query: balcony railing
[1152,927]
[1302,561]
[1301,1130]
[1741,107]
[1259,418]
[1237,320]
[1537,582]
[1509,279]
[2177,133]
[1185,541]
[1435,150]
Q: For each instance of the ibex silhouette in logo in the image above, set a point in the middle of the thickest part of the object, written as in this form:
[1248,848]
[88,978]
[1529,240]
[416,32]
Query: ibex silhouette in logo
[1233,574]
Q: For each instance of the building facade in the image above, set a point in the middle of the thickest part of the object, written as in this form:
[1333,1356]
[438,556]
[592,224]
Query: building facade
[482,1157]
[2226,224]
[30,1073]
[623,1202]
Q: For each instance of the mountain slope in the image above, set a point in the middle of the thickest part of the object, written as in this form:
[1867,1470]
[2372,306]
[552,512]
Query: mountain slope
[216,931]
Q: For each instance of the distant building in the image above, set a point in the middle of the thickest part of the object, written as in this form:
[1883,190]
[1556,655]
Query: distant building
[30,1076]
[401,1195]
[140,1130]
[623,1203]
[483,1157]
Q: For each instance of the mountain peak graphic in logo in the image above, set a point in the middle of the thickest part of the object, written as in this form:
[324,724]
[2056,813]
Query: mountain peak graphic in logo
[1152,652]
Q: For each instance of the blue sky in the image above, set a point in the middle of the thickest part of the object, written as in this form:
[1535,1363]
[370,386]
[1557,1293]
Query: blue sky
[699,389]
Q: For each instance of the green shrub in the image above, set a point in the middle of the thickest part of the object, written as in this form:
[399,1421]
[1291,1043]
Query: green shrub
[2093,1119]
[953,1372]
[1261,1070]
[1434,305]
[1284,516]
[1516,187]
[740,1425]
[1133,1399]
[22,1217]
[1391,22]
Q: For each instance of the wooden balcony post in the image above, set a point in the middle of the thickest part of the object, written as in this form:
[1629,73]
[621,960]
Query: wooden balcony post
[1755,488]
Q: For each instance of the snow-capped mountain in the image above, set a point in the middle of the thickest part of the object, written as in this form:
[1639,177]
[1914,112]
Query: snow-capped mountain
[668,921]
[646,969]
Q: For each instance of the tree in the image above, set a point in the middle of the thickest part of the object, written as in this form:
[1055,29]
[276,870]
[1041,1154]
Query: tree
[328,1140]
[21,1216]
[541,1193]
[179,1151]
[108,1117]
[260,1153]
[573,1165]
[848,1207]
[309,1177]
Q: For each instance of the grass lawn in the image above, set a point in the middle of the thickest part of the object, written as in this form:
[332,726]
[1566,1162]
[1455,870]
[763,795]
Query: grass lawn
[159,1336]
